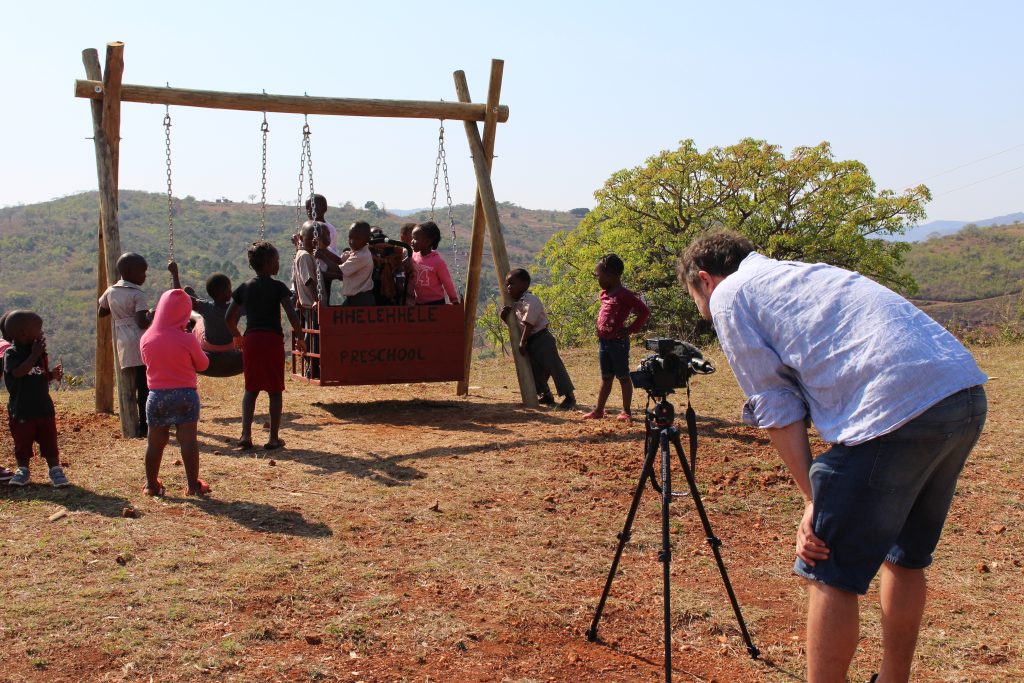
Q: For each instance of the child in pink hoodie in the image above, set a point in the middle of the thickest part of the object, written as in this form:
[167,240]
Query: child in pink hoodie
[172,357]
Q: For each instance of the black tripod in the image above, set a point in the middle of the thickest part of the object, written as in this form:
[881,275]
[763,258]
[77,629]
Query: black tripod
[660,432]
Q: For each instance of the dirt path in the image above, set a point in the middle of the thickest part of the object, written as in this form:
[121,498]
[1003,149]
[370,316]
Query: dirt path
[408,535]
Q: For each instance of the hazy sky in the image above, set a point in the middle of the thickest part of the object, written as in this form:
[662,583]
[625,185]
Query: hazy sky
[912,89]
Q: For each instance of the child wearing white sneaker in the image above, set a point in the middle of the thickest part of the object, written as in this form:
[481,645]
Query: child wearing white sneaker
[5,343]
[30,412]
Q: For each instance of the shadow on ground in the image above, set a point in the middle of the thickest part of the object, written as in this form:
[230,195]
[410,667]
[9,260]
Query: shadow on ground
[73,498]
[260,517]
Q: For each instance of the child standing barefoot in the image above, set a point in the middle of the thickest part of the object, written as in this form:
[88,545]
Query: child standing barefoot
[617,304]
[172,356]
[262,298]
[30,412]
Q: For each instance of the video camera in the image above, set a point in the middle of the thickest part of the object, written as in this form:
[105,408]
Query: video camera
[670,367]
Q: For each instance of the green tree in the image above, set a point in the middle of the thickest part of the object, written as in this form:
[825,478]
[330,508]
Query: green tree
[808,206]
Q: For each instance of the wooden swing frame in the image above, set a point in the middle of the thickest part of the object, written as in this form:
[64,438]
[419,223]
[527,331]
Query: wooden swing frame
[107,92]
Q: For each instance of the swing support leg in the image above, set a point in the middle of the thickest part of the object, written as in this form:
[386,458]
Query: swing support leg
[527,387]
[476,252]
[106,137]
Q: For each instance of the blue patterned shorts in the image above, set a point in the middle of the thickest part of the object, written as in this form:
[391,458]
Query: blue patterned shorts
[169,407]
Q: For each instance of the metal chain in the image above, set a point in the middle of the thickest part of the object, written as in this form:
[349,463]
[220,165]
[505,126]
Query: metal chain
[437,171]
[441,166]
[170,196]
[302,171]
[265,128]
[451,216]
[307,154]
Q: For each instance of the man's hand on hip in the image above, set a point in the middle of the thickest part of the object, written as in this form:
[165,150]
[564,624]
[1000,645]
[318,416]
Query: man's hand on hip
[809,547]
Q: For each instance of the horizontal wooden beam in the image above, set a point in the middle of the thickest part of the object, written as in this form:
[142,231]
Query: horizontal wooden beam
[292,104]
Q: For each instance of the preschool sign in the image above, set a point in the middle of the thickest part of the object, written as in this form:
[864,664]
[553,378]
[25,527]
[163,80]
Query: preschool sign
[386,344]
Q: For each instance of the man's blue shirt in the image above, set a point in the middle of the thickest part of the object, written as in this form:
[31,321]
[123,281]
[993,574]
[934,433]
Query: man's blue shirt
[812,338]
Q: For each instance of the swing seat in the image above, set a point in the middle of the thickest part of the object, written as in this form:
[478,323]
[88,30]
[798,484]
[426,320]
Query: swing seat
[382,345]
[223,364]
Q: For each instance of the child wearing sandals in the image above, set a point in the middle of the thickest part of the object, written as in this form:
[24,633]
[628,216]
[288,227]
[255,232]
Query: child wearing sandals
[262,298]
[172,357]
[617,305]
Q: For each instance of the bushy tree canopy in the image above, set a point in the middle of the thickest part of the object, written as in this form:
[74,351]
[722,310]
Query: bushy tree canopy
[808,206]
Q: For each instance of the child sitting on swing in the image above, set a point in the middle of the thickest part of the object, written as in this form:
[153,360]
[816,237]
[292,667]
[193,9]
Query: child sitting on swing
[431,280]
[212,329]
[172,356]
[355,267]
[263,297]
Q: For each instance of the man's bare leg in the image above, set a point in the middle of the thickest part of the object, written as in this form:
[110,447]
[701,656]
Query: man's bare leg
[833,626]
[902,593]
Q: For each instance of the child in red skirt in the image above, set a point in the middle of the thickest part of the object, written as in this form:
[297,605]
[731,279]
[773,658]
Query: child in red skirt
[262,298]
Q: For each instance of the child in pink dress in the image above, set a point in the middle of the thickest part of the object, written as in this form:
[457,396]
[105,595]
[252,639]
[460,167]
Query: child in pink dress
[431,280]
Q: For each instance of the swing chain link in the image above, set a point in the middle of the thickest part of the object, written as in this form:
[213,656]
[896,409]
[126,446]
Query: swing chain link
[170,196]
[441,167]
[302,176]
[265,128]
[307,155]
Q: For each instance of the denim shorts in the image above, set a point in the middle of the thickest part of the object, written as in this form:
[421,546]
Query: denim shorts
[613,357]
[886,500]
[170,407]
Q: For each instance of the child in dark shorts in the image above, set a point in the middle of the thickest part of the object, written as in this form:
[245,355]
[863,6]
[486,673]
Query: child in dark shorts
[126,303]
[31,416]
[263,297]
[172,356]
[537,342]
[617,304]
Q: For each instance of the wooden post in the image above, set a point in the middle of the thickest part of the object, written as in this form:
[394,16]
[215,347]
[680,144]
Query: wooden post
[104,372]
[106,174]
[527,387]
[476,251]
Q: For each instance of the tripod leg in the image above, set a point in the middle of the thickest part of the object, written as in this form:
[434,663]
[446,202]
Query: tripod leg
[714,542]
[666,547]
[645,474]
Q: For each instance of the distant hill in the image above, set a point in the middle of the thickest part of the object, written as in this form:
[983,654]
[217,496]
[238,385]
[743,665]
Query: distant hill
[922,232]
[48,251]
[974,263]
[973,278]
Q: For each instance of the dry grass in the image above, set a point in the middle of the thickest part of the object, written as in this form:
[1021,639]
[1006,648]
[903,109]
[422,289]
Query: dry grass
[406,534]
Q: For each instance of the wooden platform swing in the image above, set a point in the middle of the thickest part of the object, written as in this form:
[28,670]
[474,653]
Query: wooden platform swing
[107,92]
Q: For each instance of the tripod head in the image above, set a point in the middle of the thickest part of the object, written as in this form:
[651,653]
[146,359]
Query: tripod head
[663,414]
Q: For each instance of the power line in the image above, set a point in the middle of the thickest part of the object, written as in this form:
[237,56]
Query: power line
[971,163]
[997,175]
